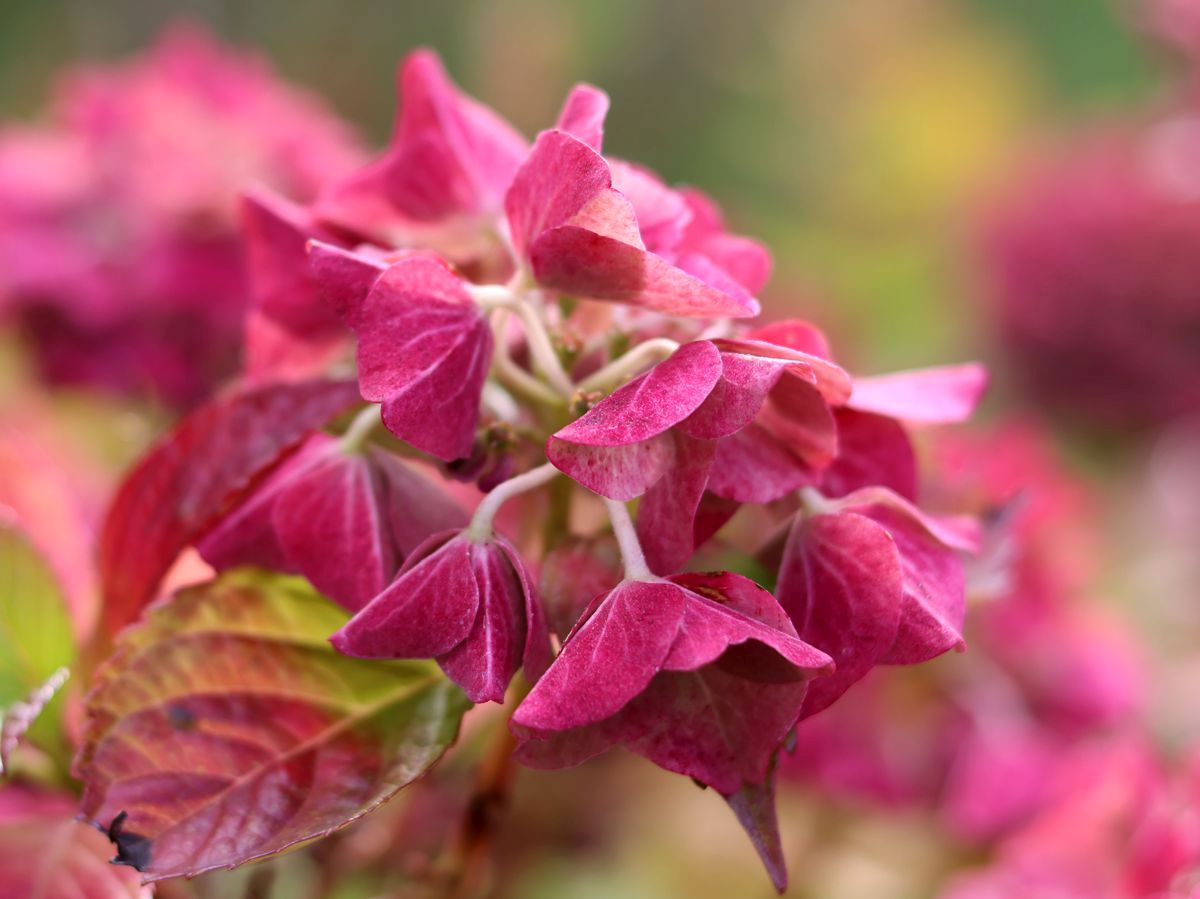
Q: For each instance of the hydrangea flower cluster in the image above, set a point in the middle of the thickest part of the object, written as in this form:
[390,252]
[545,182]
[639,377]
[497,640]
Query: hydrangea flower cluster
[1049,674]
[564,331]
[120,255]
[1088,266]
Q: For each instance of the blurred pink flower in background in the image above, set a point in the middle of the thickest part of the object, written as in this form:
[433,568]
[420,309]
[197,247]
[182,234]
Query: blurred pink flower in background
[1094,282]
[981,738]
[120,258]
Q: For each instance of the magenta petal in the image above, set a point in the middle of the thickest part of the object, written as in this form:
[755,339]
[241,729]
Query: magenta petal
[651,403]
[424,349]
[277,233]
[746,261]
[830,380]
[800,418]
[841,581]
[348,523]
[934,395]
[934,591]
[666,516]
[960,532]
[537,655]
[730,609]
[327,524]
[578,261]
[425,613]
[752,466]
[608,659]
[754,805]
[712,514]
[794,334]
[246,534]
[721,723]
[485,661]
[344,277]
[583,115]
[662,213]
[449,155]
[619,448]
[735,400]
[561,175]
[871,450]
[617,472]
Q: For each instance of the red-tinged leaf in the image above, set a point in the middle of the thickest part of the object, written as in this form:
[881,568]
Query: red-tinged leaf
[193,474]
[46,854]
[841,581]
[228,729]
[16,720]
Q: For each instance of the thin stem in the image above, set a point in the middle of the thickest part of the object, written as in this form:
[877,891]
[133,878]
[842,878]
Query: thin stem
[542,351]
[644,353]
[511,373]
[813,502]
[500,402]
[360,429]
[499,296]
[636,568]
[480,528]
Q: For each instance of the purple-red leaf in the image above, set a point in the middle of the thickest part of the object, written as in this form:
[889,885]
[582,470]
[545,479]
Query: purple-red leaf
[192,475]
[227,729]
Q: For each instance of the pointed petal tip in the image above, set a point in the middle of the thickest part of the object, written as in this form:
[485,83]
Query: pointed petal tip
[754,806]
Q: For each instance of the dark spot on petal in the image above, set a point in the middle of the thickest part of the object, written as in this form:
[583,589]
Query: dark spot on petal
[180,717]
[133,849]
[700,784]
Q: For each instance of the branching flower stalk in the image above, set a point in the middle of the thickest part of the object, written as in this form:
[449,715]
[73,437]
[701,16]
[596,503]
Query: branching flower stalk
[416,266]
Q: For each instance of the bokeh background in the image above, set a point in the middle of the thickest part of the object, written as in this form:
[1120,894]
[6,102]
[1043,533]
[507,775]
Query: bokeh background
[861,141]
[851,138]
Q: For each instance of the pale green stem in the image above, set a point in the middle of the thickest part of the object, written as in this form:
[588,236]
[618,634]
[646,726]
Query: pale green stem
[652,351]
[636,568]
[511,373]
[360,429]
[545,359]
[480,528]
[813,502]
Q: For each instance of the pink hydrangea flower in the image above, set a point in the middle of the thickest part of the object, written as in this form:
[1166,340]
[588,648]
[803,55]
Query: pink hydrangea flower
[119,254]
[468,603]
[1088,270]
[700,673]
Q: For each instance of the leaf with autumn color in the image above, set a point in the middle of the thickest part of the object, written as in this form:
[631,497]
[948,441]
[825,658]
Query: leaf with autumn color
[228,729]
[193,474]
[46,854]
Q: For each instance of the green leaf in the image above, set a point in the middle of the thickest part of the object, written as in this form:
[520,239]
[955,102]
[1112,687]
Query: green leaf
[36,643]
[35,630]
[228,729]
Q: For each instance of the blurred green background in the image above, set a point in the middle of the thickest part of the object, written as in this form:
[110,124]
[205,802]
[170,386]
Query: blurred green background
[854,137]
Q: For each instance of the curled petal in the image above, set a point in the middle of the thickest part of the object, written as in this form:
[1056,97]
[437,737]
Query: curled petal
[583,115]
[934,395]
